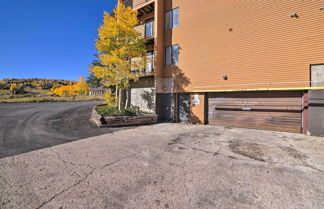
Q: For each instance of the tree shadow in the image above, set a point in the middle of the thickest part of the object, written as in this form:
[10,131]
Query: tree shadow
[194,119]
[148,97]
[183,108]
[181,81]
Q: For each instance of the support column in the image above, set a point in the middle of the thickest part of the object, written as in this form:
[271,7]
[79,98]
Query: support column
[305,112]
[159,36]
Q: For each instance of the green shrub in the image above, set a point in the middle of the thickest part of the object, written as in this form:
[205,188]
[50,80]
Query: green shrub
[129,111]
[107,110]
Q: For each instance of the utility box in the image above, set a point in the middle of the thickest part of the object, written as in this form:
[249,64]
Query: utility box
[316,113]
[317,75]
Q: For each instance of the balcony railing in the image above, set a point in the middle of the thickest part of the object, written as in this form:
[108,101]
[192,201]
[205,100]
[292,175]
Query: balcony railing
[135,3]
[128,3]
[143,67]
[145,34]
[141,29]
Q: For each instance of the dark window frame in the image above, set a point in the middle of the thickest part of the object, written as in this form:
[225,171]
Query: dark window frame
[171,58]
[145,68]
[170,25]
[151,20]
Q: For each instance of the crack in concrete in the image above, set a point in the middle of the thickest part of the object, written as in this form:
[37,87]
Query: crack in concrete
[82,180]
[202,150]
[60,157]
[66,189]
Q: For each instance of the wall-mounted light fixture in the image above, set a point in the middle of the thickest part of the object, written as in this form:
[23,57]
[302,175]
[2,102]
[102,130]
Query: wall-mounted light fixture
[294,14]
[322,8]
[225,77]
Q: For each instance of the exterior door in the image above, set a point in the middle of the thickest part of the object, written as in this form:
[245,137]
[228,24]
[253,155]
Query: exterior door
[279,111]
[184,107]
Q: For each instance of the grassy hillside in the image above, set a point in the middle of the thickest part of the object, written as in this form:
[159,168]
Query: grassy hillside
[38,90]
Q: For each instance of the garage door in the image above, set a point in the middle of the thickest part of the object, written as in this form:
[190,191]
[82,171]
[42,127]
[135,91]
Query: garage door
[281,111]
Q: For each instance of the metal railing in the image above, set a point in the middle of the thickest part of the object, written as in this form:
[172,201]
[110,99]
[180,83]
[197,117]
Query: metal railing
[141,29]
[128,3]
[135,3]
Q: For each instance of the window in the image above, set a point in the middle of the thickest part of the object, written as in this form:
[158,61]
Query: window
[149,25]
[175,18]
[171,55]
[149,62]
[172,18]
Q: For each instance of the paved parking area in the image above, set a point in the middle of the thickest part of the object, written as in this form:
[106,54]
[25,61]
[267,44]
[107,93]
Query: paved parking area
[25,127]
[170,166]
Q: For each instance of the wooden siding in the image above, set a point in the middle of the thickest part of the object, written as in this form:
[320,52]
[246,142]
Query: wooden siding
[280,111]
[252,42]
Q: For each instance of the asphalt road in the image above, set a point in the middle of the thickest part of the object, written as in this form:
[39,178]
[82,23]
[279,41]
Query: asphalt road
[32,126]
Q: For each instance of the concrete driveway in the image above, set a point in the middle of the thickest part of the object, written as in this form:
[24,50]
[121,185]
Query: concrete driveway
[170,166]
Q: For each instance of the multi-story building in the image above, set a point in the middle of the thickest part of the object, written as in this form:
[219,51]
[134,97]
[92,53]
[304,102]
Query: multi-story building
[233,63]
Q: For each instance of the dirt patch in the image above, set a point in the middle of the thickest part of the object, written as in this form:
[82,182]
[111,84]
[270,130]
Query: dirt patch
[175,141]
[201,142]
[294,153]
[250,150]
[271,153]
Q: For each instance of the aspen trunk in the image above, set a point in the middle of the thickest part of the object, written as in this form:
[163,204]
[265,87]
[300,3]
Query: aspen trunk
[116,93]
[120,99]
[127,97]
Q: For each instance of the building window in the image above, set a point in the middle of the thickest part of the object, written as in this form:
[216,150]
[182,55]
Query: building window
[149,25]
[172,18]
[149,62]
[171,55]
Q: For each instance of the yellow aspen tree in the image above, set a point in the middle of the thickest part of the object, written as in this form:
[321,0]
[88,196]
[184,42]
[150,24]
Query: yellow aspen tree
[83,87]
[118,42]
[13,88]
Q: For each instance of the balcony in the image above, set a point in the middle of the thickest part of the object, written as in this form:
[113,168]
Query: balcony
[141,29]
[147,31]
[143,73]
[142,6]
[148,69]
[137,3]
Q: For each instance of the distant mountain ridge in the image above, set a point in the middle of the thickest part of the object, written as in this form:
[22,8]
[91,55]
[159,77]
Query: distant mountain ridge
[41,83]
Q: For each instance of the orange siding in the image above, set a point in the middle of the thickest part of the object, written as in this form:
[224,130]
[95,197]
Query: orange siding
[265,46]
[159,37]
[197,111]
[255,43]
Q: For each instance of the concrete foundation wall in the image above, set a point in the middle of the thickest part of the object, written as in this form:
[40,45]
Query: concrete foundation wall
[143,98]
[316,113]
[142,94]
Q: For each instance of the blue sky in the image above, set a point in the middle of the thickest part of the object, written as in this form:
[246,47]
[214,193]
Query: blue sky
[49,38]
